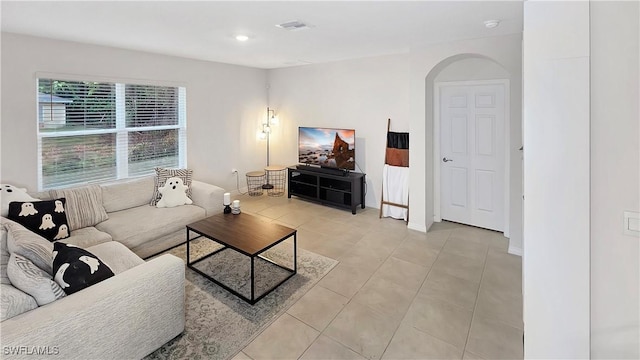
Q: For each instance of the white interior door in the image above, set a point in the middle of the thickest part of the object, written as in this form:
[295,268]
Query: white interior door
[472,154]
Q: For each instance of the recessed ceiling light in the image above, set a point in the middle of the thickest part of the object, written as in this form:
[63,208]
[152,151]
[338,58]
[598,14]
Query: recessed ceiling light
[242,37]
[490,24]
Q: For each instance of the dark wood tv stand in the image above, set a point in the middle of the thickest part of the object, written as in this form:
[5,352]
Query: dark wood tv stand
[342,189]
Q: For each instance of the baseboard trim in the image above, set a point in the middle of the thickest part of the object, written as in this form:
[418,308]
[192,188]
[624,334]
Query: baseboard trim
[417,227]
[515,250]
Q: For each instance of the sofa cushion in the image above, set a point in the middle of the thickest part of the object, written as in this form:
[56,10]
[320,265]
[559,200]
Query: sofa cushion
[76,268]
[117,256]
[4,255]
[14,302]
[30,245]
[162,175]
[84,205]
[155,222]
[127,194]
[42,195]
[45,218]
[29,278]
[86,237]
[159,244]
[4,248]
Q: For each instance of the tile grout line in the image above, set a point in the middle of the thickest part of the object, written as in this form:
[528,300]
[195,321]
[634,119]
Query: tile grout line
[475,304]
[354,295]
[318,285]
[322,332]
[314,340]
[432,335]
[416,295]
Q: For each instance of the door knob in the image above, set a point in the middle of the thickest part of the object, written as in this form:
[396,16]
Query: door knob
[446,160]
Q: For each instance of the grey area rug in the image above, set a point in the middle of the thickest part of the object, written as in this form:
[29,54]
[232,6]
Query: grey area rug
[219,324]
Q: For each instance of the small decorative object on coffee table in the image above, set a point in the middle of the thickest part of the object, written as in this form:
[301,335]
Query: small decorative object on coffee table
[248,236]
[227,203]
[235,209]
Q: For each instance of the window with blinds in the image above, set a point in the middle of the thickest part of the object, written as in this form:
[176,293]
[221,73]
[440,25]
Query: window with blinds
[100,131]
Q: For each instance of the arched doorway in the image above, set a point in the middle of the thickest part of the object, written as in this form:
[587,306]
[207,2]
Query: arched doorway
[477,191]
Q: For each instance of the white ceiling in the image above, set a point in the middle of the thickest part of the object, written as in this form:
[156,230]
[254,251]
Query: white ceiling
[206,30]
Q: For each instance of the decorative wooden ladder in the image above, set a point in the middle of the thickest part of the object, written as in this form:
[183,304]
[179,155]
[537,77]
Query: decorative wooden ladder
[386,161]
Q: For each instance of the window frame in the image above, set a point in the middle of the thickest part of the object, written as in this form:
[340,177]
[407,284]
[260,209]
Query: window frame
[121,131]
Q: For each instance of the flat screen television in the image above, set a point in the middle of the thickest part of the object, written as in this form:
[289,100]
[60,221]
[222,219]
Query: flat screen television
[329,148]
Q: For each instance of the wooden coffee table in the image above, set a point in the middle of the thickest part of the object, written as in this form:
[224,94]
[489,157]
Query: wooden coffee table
[247,235]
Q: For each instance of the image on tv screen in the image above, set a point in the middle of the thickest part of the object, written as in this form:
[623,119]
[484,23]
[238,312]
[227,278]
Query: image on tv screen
[327,147]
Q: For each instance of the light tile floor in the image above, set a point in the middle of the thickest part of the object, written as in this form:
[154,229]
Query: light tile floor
[451,293]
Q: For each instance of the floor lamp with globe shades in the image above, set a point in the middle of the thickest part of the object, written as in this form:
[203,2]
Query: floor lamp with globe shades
[270,121]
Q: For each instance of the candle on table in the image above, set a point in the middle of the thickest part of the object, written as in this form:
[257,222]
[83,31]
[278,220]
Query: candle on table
[227,199]
[236,203]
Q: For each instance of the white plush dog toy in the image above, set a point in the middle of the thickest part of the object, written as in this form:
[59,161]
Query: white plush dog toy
[173,193]
[9,193]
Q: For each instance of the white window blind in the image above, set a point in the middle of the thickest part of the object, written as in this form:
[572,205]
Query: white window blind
[100,131]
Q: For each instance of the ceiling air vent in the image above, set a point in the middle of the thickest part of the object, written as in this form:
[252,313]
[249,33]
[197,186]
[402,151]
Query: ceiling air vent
[294,25]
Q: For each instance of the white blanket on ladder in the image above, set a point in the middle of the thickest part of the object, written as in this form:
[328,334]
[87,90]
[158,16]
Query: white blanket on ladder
[395,189]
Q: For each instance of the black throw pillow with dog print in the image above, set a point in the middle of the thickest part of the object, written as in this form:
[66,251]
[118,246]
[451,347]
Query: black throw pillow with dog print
[75,268]
[45,218]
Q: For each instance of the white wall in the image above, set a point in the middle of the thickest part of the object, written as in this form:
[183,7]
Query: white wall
[425,64]
[363,93]
[472,69]
[225,104]
[615,179]
[556,179]
[360,94]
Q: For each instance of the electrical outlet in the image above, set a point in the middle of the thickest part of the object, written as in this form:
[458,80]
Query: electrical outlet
[234,171]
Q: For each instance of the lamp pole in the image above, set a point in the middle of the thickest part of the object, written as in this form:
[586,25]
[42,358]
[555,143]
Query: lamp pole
[268,135]
[268,131]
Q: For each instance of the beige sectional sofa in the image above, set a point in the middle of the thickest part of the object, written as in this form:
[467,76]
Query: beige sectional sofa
[128,315]
[146,230]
